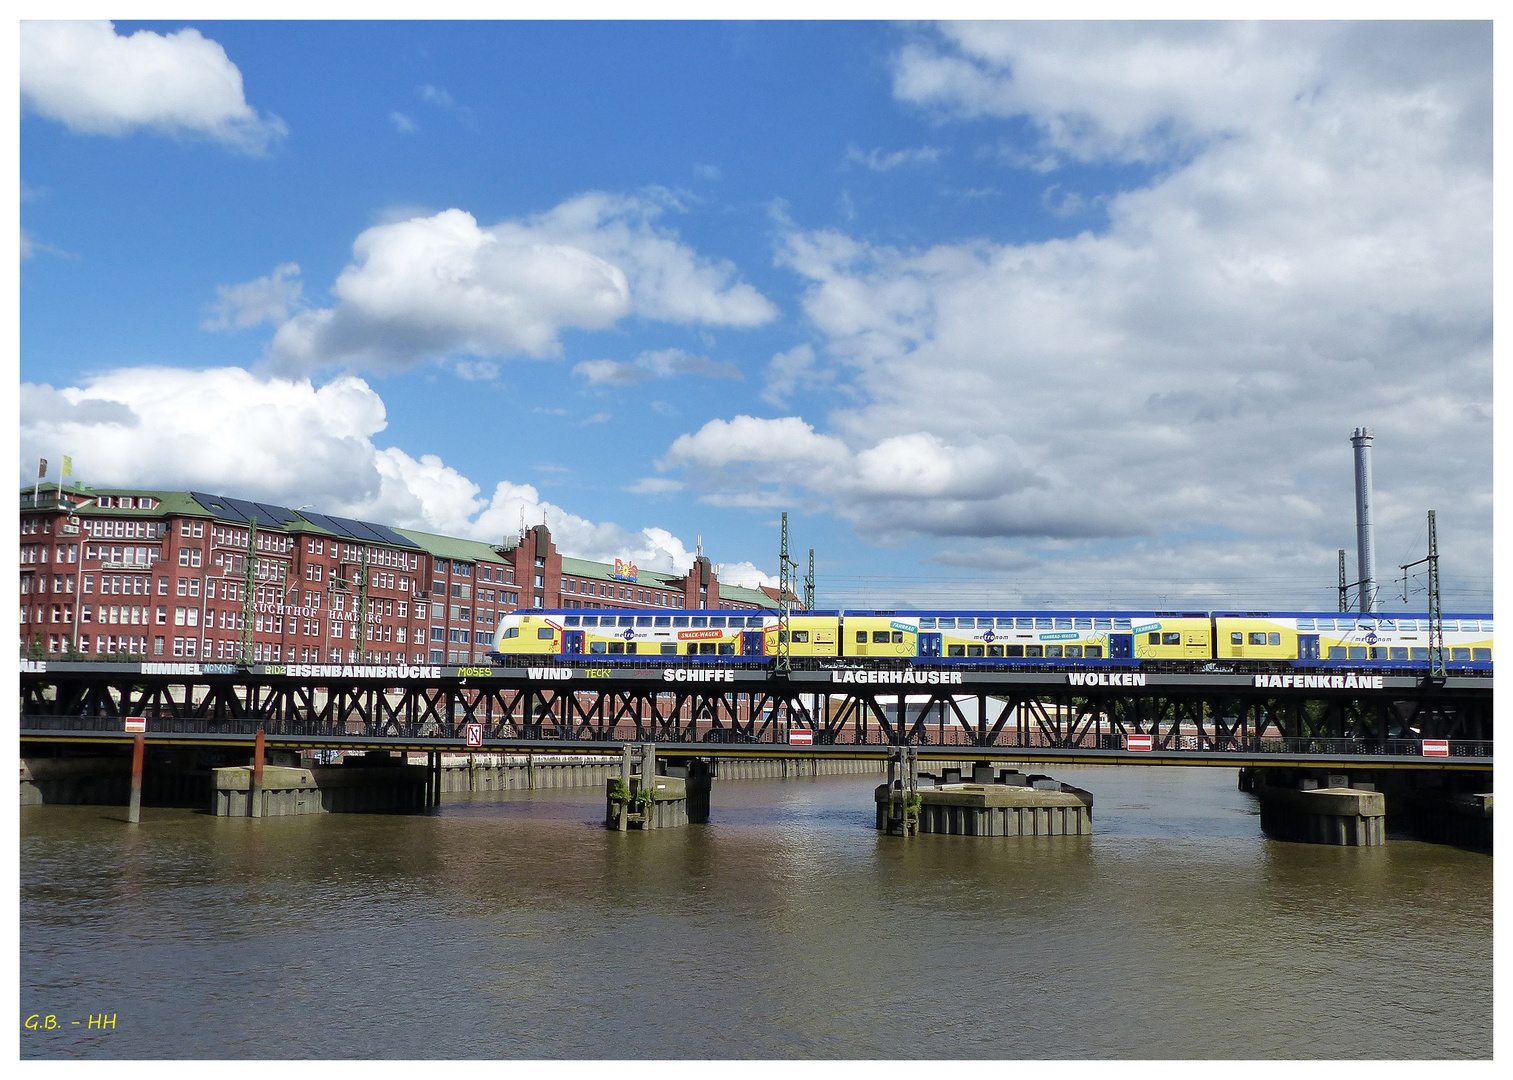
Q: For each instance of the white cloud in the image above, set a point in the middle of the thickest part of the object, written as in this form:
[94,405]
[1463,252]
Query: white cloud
[435,95]
[94,81]
[433,285]
[267,299]
[288,441]
[655,485]
[654,364]
[1313,252]
[792,371]
[746,575]
[402,123]
[879,160]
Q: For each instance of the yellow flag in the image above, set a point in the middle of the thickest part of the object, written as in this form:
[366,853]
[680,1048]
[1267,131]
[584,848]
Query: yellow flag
[68,465]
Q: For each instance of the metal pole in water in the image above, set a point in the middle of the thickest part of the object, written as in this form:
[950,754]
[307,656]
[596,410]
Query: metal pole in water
[134,810]
[255,794]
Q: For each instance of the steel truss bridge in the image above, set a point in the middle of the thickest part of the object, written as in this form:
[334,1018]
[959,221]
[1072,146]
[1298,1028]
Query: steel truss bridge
[1218,717]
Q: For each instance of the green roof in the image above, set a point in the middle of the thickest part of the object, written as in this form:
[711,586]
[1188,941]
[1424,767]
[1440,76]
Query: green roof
[452,547]
[606,572]
[738,594]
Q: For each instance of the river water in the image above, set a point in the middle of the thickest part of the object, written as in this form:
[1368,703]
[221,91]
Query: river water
[515,926]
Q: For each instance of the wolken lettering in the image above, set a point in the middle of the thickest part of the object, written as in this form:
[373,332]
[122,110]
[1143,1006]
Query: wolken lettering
[1104,678]
[931,677]
[1319,682]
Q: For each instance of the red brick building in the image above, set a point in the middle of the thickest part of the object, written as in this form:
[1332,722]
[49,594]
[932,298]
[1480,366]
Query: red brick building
[115,572]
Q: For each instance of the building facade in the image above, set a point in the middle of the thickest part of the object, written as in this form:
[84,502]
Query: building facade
[129,573]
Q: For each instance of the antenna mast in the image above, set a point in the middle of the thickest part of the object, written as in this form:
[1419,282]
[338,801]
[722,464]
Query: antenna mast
[783,666]
[1436,612]
[249,587]
[809,584]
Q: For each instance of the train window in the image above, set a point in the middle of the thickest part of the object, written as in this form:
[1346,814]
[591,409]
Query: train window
[1053,651]
[801,637]
[1083,624]
[1171,639]
[956,650]
[1459,653]
[617,647]
[544,633]
[1357,652]
[596,646]
[995,650]
[1153,639]
[1399,654]
[1387,624]
[1093,652]
[975,650]
[1486,627]
[1063,624]
[630,646]
[669,648]
[861,637]
[727,648]
[1257,638]
[1481,654]
[571,620]
[1004,624]
[1034,650]
[1378,653]
[1274,639]
[590,620]
[663,620]
[1336,652]
[1103,624]
[699,620]
[717,620]
[1237,638]
[898,637]
[1045,624]
[1305,624]
[1121,624]
[926,623]
[679,620]
[879,637]
[1419,654]
[1323,624]
[627,620]
[512,631]
[1074,652]
[1024,624]
[1013,650]
[948,624]
[643,620]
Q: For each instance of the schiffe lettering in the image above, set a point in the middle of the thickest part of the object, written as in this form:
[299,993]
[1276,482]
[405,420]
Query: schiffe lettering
[932,678]
[1105,678]
[1319,682]
[673,675]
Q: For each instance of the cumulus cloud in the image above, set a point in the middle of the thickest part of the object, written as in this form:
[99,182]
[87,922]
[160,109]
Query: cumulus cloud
[1311,252]
[443,283]
[747,575]
[879,160]
[97,82]
[402,123]
[792,371]
[267,299]
[291,442]
[654,364]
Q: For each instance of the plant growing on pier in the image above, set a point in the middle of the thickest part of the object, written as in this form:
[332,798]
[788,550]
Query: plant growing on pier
[618,792]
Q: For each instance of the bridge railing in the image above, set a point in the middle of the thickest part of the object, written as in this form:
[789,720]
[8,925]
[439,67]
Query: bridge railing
[1164,742]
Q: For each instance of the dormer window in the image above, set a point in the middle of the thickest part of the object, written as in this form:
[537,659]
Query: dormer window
[105,500]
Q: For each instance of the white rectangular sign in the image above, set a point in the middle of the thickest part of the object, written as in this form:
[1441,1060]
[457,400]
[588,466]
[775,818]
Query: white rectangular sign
[801,738]
[475,734]
[1138,742]
[136,724]
[1436,748]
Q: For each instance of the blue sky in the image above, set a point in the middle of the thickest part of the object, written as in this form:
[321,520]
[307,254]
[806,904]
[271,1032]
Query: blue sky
[1044,314]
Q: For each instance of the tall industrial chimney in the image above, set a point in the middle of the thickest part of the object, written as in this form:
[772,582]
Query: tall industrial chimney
[1365,539]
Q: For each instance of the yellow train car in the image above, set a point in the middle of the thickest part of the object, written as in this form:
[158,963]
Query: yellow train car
[884,635]
[1042,635]
[1378,638]
[815,633]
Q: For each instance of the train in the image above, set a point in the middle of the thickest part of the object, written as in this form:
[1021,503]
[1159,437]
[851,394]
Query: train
[1172,640]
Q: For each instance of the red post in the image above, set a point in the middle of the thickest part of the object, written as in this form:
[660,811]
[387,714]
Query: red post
[255,796]
[138,744]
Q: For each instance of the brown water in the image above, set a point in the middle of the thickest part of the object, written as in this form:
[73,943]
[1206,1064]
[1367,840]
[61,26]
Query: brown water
[515,925]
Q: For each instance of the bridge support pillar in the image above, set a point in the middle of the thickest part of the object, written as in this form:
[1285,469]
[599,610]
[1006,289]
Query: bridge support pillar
[1341,816]
[898,801]
[639,798]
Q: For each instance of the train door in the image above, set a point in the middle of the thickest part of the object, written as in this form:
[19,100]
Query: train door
[929,644]
[1121,646]
[1308,646]
[572,642]
[751,643]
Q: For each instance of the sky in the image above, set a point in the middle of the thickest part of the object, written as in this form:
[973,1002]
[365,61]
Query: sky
[1002,315]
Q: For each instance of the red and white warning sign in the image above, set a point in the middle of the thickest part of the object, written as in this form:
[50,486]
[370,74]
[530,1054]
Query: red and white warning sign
[797,737]
[1138,742]
[1436,748]
[475,734]
[136,724]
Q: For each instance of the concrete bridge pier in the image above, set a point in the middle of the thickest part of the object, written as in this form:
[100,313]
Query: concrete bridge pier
[1323,811]
[641,799]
